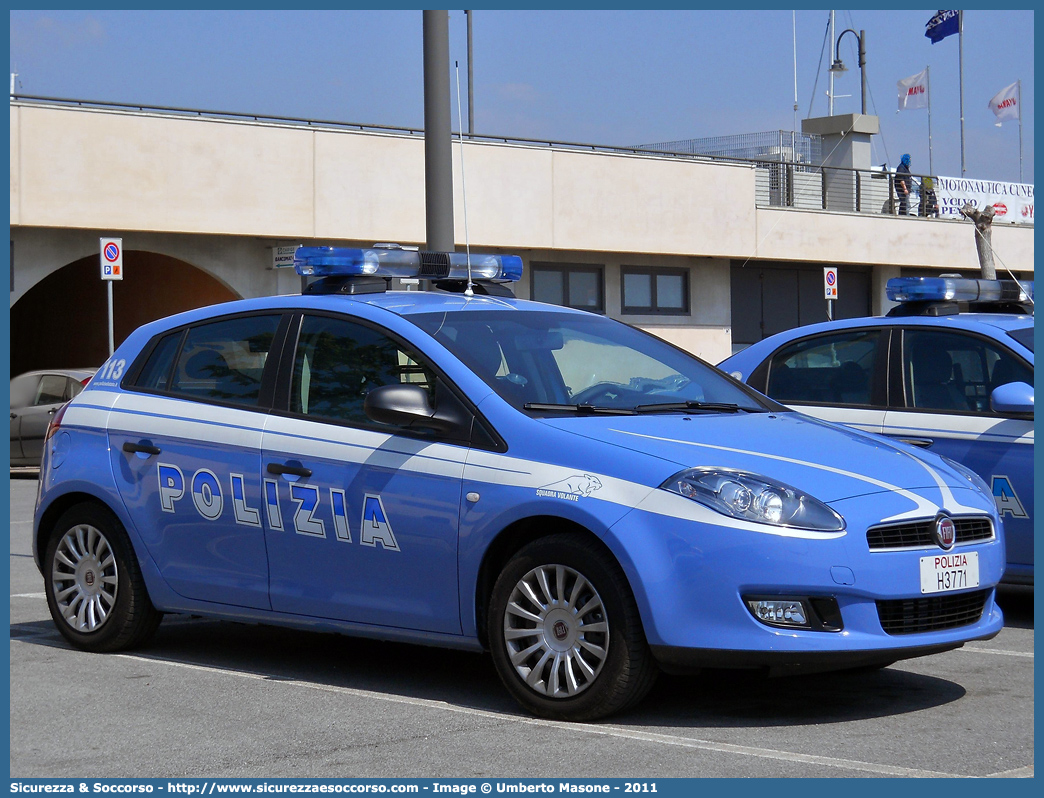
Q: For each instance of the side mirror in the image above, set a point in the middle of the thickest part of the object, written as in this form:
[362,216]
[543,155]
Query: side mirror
[403,405]
[1012,397]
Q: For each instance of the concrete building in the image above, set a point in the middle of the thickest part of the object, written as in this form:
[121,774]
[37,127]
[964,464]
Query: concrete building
[689,248]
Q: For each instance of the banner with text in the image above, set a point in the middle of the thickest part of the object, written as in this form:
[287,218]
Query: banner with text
[1012,202]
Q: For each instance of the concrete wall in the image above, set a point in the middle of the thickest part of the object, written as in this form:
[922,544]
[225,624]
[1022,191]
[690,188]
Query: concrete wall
[90,169]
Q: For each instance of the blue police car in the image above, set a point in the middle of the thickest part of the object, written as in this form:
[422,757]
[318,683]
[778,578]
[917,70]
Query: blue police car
[459,468]
[950,369]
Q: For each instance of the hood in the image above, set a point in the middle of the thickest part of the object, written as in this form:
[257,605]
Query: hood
[826,461]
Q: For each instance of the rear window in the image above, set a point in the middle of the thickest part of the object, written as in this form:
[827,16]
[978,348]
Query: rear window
[220,361]
[223,361]
[1024,337]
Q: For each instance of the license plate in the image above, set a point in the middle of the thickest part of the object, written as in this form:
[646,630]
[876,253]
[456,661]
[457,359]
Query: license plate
[944,572]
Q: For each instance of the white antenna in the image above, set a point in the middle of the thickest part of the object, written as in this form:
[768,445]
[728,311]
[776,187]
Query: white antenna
[469,291]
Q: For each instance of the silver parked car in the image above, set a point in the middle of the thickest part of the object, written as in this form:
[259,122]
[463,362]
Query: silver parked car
[35,398]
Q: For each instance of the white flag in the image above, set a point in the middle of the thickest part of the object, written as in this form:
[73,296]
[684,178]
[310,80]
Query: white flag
[1005,104]
[913,91]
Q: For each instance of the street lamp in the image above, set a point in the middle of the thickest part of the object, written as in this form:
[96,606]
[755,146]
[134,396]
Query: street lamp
[839,65]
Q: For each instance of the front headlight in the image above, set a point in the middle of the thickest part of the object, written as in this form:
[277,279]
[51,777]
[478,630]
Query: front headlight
[754,498]
[969,475]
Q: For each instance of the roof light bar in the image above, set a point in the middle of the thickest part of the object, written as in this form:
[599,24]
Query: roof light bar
[921,289]
[398,262]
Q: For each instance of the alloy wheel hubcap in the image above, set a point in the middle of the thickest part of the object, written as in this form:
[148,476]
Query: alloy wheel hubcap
[84,578]
[555,631]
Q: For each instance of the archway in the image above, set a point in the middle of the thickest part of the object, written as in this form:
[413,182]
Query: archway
[62,321]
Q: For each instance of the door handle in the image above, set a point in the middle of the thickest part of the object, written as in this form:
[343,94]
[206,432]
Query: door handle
[924,443]
[143,448]
[281,469]
[14,415]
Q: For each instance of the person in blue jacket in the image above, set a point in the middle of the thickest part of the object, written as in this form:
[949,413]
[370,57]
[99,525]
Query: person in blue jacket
[903,183]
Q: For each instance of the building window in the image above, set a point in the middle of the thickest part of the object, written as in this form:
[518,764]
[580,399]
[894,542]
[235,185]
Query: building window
[574,286]
[655,291]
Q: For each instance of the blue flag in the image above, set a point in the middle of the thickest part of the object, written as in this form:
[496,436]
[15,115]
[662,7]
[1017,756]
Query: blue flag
[943,24]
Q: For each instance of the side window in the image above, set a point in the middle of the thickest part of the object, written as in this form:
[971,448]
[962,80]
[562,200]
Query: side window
[73,388]
[23,390]
[955,372]
[52,390]
[155,374]
[338,362]
[223,361]
[830,369]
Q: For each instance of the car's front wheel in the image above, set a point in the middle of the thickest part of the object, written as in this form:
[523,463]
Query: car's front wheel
[565,633]
[94,586]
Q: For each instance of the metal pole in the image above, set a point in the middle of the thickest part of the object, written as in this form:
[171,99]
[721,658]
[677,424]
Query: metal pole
[112,347]
[1019,90]
[438,139]
[830,94]
[928,80]
[960,67]
[862,69]
[471,81]
[794,20]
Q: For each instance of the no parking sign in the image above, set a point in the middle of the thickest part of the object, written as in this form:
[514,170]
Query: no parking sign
[830,282]
[112,258]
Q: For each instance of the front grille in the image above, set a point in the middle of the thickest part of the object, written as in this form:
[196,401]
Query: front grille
[910,616]
[918,534]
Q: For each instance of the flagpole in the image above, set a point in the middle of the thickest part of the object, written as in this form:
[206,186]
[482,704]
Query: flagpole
[928,81]
[960,57]
[1020,128]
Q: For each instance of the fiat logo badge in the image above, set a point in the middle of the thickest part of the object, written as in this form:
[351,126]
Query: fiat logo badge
[89,578]
[945,533]
[560,630]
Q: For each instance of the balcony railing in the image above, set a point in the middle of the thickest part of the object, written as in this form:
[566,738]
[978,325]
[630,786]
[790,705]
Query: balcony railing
[829,188]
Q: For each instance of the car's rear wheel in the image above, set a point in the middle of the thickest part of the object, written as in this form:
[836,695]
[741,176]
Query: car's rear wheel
[94,586]
[565,633]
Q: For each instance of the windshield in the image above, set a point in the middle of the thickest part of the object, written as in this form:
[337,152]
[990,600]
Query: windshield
[1024,337]
[549,358]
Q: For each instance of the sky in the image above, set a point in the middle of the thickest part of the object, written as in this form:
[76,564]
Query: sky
[599,77]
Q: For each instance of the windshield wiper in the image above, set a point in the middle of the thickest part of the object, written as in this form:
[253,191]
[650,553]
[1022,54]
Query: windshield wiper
[692,404]
[586,410]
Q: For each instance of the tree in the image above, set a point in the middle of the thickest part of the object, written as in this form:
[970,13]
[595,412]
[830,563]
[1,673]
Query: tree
[983,237]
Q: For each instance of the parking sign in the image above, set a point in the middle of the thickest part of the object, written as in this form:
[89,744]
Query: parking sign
[112,258]
[830,282]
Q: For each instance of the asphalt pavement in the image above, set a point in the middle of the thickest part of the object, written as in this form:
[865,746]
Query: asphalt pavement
[217,699]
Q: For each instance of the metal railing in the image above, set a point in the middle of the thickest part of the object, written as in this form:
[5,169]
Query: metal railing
[831,188]
[785,146]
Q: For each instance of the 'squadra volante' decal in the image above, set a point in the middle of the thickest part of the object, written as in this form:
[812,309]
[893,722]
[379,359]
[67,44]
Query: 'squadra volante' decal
[571,488]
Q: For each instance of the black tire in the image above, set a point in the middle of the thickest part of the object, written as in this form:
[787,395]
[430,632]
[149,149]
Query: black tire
[582,648]
[93,582]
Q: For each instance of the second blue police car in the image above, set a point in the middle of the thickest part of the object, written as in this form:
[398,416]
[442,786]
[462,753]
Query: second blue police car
[583,500]
[949,369]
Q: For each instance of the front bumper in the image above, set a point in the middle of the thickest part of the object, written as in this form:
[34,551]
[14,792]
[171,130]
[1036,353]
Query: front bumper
[677,660]
[691,573]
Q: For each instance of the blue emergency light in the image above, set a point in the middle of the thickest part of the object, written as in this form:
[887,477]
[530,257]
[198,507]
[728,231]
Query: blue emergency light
[957,289]
[394,261]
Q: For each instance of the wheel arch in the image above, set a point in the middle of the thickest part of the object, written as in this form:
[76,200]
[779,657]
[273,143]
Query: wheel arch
[53,511]
[509,541]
